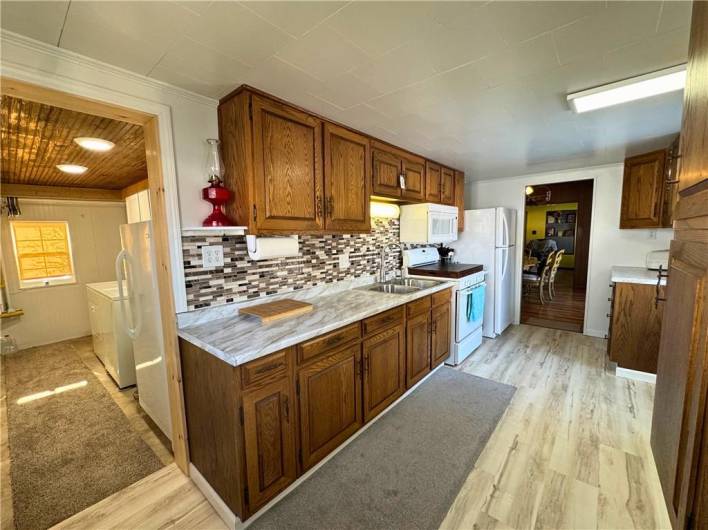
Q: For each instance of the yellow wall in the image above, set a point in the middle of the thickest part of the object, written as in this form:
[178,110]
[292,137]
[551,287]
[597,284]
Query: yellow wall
[536,220]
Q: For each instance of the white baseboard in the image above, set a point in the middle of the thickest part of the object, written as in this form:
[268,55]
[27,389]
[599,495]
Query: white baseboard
[602,334]
[636,375]
[219,505]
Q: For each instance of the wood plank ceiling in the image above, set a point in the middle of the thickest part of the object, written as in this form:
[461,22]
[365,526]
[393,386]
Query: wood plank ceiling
[36,137]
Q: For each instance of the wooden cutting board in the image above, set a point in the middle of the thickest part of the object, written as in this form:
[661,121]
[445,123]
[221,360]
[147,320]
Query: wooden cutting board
[271,311]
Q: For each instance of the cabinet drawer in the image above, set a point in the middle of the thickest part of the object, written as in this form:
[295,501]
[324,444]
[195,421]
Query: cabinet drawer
[383,320]
[417,307]
[271,366]
[312,348]
[441,297]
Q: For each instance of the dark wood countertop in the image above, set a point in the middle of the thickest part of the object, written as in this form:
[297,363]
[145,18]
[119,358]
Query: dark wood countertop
[446,270]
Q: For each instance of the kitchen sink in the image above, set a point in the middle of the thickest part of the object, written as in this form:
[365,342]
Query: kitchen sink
[400,286]
[413,282]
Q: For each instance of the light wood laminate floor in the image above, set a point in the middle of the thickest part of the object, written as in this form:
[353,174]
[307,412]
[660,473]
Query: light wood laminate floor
[572,450]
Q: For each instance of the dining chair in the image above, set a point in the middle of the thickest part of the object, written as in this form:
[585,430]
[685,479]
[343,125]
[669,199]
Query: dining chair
[552,275]
[539,280]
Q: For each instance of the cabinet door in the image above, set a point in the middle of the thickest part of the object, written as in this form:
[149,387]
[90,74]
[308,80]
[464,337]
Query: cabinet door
[269,441]
[460,199]
[347,179]
[287,149]
[440,335]
[384,370]
[642,190]
[433,179]
[447,186]
[330,403]
[670,187]
[386,173]
[682,377]
[414,174]
[636,326]
[417,348]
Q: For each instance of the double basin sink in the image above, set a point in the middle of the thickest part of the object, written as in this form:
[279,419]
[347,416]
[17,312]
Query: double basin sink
[400,286]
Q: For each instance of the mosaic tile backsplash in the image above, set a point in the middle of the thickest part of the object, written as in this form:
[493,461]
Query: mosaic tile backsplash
[243,279]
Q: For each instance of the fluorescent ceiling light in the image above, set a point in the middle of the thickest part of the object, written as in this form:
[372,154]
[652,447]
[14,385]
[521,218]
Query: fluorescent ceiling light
[643,86]
[94,144]
[72,168]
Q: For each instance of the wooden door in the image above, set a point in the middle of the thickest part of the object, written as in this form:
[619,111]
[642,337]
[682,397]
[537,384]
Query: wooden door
[269,438]
[287,157]
[433,178]
[414,177]
[460,199]
[440,334]
[347,180]
[682,377]
[384,370]
[417,348]
[386,173]
[330,403]
[642,190]
[447,186]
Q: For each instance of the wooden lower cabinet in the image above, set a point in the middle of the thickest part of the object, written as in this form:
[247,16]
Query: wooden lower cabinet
[269,441]
[635,326]
[417,348]
[440,334]
[330,403]
[384,369]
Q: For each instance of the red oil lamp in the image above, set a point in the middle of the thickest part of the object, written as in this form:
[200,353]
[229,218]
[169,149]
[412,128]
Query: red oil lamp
[215,193]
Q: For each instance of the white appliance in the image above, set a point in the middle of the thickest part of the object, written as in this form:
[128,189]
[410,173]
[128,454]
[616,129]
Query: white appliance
[111,342]
[428,223]
[136,266]
[489,238]
[465,331]
[658,258]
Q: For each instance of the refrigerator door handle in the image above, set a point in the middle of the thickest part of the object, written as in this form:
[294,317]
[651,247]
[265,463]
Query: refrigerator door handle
[505,242]
[122,258]
[505,263]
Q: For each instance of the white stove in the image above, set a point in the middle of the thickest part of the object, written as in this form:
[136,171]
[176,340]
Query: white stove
[467,298]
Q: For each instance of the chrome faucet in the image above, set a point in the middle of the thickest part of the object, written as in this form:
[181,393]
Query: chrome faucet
[382,267]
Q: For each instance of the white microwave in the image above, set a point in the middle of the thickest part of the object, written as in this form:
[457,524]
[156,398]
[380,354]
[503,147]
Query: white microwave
[428,223]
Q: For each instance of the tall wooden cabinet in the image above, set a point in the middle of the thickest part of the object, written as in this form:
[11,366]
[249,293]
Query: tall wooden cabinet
[679,437]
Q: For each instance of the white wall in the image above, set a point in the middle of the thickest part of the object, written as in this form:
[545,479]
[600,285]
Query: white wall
[61,312]
[609,245]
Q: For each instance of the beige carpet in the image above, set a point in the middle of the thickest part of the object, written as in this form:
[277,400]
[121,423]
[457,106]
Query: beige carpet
[405,471]
[70,444]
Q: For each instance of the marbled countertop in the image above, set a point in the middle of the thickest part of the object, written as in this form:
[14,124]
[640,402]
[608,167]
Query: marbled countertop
[635,275]
[238,339]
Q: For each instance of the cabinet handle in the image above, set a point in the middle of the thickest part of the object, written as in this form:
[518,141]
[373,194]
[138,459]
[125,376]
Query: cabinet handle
[286,406]
[671,179]
[318,206]
[659,275]
[609,315]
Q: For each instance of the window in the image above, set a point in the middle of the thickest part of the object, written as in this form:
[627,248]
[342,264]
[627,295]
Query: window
[43,253]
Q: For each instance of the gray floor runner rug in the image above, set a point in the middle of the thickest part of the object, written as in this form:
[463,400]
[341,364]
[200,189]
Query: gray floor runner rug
[405,471]
[70,444]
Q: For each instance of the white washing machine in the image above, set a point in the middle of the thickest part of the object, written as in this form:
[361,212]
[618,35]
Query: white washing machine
[111,342]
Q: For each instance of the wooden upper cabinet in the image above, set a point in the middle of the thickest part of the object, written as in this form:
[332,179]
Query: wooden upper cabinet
[269,439]
[670,184]
[643,190]
[386,173]
[433,179]
[447,186]
[287,148]
[460,199]
[347,180]
[414,178]
[440,334]
[330,403]
[384,369]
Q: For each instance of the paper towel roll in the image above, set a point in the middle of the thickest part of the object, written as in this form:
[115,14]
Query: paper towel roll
[272,247]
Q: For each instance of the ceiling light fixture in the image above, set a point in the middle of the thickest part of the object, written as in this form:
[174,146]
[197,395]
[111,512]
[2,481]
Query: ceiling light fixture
[94,144]
[72,168]
[640,87]
[529,190]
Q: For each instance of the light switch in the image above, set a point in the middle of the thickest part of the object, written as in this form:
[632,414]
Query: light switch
[212,256]
[344,261]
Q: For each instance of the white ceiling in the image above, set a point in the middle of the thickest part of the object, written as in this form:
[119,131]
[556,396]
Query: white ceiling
[479,86]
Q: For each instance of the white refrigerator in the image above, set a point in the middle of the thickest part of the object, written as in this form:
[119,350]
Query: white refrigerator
[489,238]
[136,265]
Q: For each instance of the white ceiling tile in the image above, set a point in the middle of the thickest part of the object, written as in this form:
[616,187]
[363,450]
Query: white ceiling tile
[378,27]
[530,58]
[675,14]
[346,90]
[282,79]
[200,86]
[295,18]
[323,53]
[39,20]
[648,55]
[237,32]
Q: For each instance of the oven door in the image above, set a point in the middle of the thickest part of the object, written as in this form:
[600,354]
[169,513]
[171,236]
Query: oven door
[468,318]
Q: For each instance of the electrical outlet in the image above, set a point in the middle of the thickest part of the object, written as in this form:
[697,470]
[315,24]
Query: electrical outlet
[344,261]
[212,256]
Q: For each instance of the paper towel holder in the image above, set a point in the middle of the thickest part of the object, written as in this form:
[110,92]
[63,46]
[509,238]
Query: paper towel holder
[252,243]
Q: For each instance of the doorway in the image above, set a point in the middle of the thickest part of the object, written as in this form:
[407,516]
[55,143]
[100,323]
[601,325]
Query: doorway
[59,249]
[557,220]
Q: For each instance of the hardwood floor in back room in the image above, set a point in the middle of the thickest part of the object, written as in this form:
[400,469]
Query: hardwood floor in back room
[572,450]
